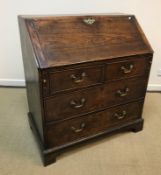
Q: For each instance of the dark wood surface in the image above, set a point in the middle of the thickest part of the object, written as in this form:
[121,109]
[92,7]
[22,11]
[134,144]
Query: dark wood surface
[49,155]
[127,68]
[75,129]
[32,78]
[95,98]
[64,40]
[75,78]
[86,76]
[81,76]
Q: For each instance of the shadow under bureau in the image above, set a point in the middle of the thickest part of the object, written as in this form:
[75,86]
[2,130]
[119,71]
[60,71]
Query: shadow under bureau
[86,76]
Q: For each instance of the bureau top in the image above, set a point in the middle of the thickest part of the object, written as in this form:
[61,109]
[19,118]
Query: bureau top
[66,40]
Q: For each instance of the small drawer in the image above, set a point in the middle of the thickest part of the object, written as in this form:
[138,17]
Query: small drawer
[94,98]
[75,78]
[83,127]
[128,68]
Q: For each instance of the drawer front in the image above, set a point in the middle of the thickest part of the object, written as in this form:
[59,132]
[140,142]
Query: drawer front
[127,68]
[71,130]
[92,99]
[75,78]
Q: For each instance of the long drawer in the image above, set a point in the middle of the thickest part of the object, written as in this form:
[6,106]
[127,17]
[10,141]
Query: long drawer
[93,99]
[82,127]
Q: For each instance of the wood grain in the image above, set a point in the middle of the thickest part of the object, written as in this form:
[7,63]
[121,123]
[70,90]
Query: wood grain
[96,98]
[94,123]
[64,40]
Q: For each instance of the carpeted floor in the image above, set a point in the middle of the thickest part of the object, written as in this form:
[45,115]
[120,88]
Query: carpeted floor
[122,154]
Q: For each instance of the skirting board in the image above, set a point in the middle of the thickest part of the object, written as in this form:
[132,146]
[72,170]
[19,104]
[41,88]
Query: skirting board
[154,87]
[12,82]
[21,83]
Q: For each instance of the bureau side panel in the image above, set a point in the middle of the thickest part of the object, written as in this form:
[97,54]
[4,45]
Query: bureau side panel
[32,76]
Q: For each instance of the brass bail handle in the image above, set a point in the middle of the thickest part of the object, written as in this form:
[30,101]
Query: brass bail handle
[127,70]
[123,93]
[77,105]
[89,20]
[120,115]
[78,79]
[81,128]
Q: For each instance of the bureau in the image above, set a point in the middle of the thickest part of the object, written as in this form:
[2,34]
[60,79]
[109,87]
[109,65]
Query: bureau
[86,76]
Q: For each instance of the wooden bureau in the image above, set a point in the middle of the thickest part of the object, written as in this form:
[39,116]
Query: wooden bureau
[86,76]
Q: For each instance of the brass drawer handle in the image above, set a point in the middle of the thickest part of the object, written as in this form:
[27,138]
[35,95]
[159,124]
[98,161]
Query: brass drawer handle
[78,79]
[76,105]
[120,115]
[127,70]
[82,126]
[123,93]
[89,21]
